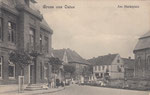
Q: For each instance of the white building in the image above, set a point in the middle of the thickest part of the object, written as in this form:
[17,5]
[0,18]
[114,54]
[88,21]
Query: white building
[108,66]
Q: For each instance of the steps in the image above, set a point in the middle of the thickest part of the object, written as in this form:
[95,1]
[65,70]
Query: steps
[33,87]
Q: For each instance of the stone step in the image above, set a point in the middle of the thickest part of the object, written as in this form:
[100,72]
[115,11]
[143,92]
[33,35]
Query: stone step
[33,87]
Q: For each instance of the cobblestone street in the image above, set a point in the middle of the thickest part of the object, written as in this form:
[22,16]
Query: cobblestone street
[89,90]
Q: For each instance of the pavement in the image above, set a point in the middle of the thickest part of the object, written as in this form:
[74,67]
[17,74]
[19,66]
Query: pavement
[91,90]
[71,90]
[13,90]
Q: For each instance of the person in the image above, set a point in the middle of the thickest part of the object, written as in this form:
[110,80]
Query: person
[57,83]
[62,84]
[52,83]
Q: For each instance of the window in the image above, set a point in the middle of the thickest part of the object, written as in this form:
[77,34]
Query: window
[11,70]
[148,63]
[32,37]
[107,69]
[139,61]
[119,68]
[11,32]
[99,68]
[41,70]
[118,61]
[45,72]
[103,67]
[1,62]
[46,44]
[93,68]
[1,29]
[40,43]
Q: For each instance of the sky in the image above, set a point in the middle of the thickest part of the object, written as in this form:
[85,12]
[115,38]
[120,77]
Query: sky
[97,27]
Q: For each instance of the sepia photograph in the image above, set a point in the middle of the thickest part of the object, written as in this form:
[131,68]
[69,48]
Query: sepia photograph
[74,47]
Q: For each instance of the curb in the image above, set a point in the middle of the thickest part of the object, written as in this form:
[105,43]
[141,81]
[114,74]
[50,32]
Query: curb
[32,93]
[133,89]
[45,92]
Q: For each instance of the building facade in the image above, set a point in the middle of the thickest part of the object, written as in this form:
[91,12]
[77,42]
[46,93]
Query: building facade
[23,28]
[70,57]
[128,67]
[108,66]
[142,57]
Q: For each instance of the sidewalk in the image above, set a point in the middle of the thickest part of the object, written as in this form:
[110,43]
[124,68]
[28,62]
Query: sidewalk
[13,90]
[8,88]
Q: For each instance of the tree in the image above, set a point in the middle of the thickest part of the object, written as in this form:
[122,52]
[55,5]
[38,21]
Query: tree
[87,71]
[55,63]
[69,69]
[20,58]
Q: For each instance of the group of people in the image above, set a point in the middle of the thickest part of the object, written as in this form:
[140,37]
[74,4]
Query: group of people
[56,83]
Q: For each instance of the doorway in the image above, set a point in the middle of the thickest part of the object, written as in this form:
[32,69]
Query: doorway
[32,78]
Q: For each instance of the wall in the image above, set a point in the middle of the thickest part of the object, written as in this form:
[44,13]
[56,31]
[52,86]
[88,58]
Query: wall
[141,69]
[114,68]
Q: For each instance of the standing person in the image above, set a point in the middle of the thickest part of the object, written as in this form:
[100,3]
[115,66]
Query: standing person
[57,83]
[62,84]
[52,83]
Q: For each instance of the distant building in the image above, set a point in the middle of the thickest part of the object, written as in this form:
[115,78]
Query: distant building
[70,57]
[142,57]
[22,27]
[108,66]
[128,67]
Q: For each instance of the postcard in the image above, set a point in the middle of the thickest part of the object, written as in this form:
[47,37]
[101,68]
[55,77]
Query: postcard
[74,47]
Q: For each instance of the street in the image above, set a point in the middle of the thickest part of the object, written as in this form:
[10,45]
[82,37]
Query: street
[90,90]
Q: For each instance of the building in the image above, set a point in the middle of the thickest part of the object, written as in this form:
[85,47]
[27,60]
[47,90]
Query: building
[108,66]
[142,57]
[128,67]
[22,27]
[70,57]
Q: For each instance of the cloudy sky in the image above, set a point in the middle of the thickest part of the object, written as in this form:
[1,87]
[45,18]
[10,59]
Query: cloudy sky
[97,27]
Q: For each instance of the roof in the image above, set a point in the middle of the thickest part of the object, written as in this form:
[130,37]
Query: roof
[46,26]
[72,56]
[144,42]
[103,60]
[147,34]
[128,63]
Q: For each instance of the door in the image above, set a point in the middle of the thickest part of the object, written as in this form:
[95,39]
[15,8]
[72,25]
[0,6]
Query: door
[32,74]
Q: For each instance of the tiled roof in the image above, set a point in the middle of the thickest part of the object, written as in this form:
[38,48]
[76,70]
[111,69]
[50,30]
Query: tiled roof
[73,57]
[144,42]
[128,63]
[103,60]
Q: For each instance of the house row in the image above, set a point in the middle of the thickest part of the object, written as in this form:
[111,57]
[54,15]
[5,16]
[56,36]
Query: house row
[70,57]
[112,66]
[22,27]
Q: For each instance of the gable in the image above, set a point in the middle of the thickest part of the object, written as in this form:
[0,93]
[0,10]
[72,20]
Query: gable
[70,56]
[117,60]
